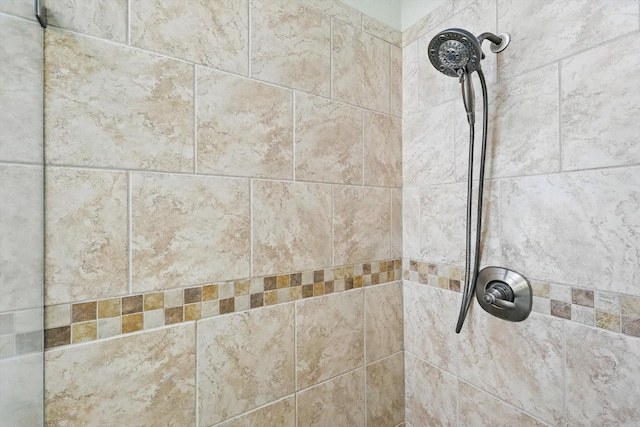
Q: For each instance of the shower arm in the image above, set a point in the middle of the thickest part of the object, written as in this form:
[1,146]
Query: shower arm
[498,43]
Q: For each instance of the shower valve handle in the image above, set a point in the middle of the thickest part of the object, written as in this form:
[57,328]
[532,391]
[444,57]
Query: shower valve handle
[497,297]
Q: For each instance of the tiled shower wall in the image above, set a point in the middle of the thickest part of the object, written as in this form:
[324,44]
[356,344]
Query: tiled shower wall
[562,205]
[223,214]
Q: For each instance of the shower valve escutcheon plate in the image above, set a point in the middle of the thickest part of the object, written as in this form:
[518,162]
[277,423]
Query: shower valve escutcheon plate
[504,293]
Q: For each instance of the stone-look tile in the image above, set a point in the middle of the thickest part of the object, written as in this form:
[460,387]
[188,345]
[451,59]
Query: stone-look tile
[443,221]
[410,79]
[580,230]
[21,90]
[630,325]
[281,413]
[481,409]
[252,351]
[337,9]
[112,106]
[21,390]
[385,391]
[107,20]
[21,251]
[459,5]
[582,297]
[22,8]
[430,394]
[531,376]
[595,23]
[383,320]
[411,223]
[428,146]
[151,380]
[86,235]
[360,68]
[427,23]
[382,150]
[606,301]
[602,374]
[430,316]
[244,127]
[381,30]
[396,81]
[291,227]
[599,114]
[337,402]
[291,45]
[630,306]
[396,223]
[328,141]
[609,321]
[361,224]
[215,34]
[188,230]
[581,314]
[330,337]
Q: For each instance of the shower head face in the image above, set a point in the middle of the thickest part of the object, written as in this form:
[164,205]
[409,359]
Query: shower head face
[455,49]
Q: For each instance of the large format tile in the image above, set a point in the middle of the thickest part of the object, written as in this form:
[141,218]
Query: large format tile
[86,235]
[396,81]
[600,106]
[361,224]
[145,379]
[188,230]
[383,320]
[336,9]
[21,90]
[396,223]
[411,223]
[112,106]
[385,392]
[245,360]
[104,19]
[576,228]
[291,227]
[330,337]
[214,33]
[23,8]
[603,377]
[360,68]
[410,79]
[245,128]
[328,141]
[281,413]
[21,391]
[291,45]
[382,150]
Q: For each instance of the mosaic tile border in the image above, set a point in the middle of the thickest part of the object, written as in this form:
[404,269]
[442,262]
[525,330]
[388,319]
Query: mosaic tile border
[606,310]
[91,320]
[20,332]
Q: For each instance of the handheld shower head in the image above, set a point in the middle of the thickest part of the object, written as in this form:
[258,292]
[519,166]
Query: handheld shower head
[453,50]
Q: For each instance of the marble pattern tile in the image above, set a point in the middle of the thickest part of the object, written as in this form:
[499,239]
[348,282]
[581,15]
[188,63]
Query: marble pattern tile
[291,227]
[281,413]
[531,376]
[381,30]
[151,380]
[215,34]
[410,79]
[22,8]
[430,394]
[337,9]
[254,351]
[187,230]
[580,226]
[382,150]
[21,90]
[21,392]
[411,222]
[396,81]
[86,235]
[329,336]
[361,224]
[602,377]
[245,128]
[337,402]
[599,112]
[112,106]
[429,328]
[106,20]
[383,320]
[385,391]
[396,223]
[428,22]
[291,45]
[360,68]
[594,23]
[328,141]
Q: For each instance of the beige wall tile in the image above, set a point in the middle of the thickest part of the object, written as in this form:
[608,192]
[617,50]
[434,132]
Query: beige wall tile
[396,223]
[382,150]
[385,391]
[188,230]
[291,227]
[281,413]
[23,8]
[362,224]
[433,19]
[337,402]
[330,336]
[107,20]
[245,128]
[215,34]
[290,45]
[21,392]
[410,78]
[381,30]
[411,223]
[143,379]
[86,235]
[328,141]
[383,320]
[361,65]
[337,9]
[396,81]
[113,106]
[245,360]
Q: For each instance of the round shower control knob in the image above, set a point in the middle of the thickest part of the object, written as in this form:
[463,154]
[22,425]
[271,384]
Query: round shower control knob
[504,293]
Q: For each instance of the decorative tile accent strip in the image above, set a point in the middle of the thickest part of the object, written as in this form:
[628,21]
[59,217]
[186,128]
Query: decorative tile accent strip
[20,332]
[87,321]
[606,310]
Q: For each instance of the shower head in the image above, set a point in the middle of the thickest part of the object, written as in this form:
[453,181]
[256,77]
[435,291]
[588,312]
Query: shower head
[453,50]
